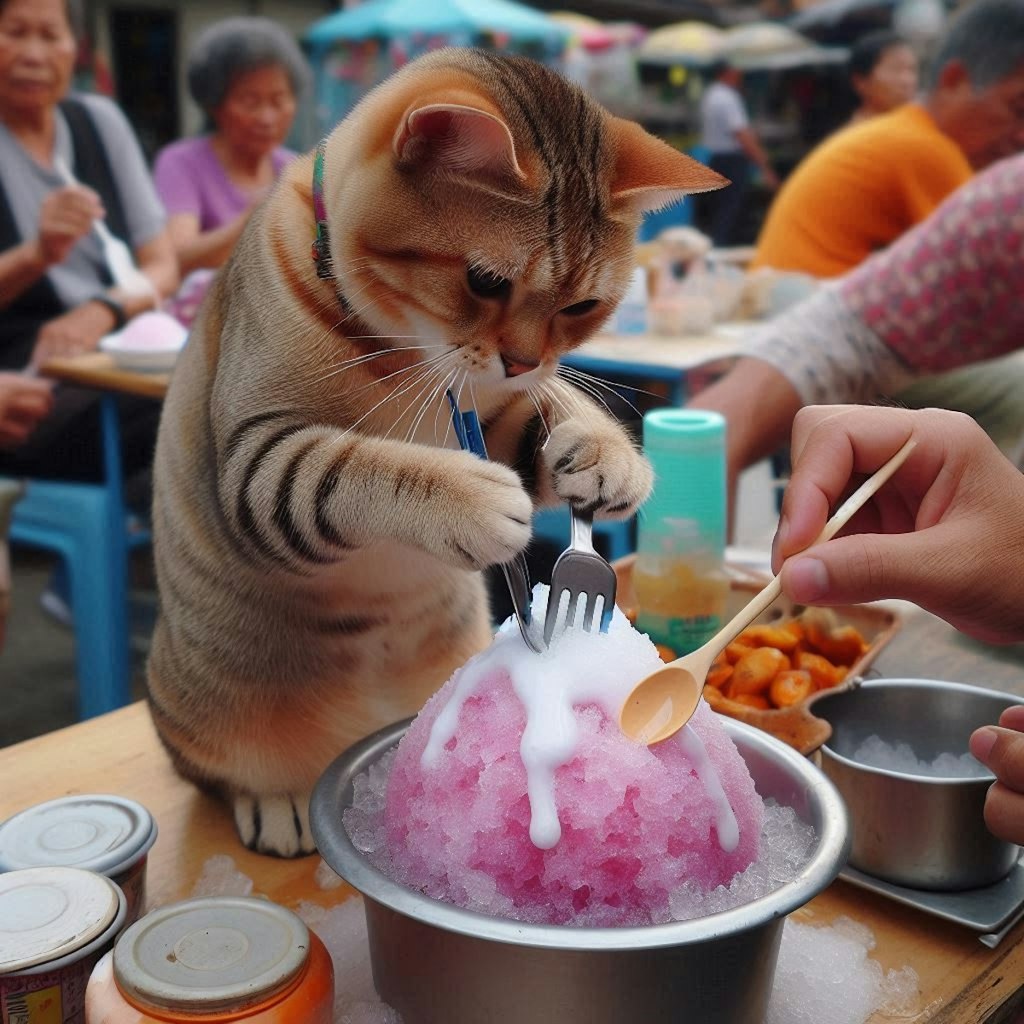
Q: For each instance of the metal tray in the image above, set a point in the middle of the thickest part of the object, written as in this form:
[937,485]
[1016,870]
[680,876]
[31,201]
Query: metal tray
[992,910]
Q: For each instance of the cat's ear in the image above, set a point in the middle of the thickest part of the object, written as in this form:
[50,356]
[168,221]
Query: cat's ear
[459,138]
[650,174]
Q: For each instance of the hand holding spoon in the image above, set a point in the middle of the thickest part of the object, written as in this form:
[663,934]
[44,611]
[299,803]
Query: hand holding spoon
[660,705]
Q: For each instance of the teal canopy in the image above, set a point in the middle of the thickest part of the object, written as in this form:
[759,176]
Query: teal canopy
[377,19]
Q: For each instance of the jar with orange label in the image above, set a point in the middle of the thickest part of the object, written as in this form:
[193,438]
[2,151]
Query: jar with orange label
[214,959]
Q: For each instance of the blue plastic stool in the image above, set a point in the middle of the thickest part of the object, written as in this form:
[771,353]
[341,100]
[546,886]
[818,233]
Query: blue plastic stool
[85,525]
[612,539]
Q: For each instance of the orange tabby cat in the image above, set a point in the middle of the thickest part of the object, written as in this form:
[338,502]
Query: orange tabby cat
[317,537]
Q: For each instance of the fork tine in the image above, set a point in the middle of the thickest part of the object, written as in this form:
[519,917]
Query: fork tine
[551,617]
[589,609]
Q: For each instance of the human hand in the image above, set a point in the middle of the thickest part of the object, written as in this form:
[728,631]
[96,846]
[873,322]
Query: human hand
[944,532]
[770,179]
[66,215]
[24,401]
[73,333]
[1001,750]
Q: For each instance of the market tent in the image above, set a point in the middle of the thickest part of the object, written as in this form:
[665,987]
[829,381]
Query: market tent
[388,18]
[686,41]
[769,46]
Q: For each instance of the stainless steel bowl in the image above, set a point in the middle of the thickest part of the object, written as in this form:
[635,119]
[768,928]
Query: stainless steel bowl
[438,964]
[913,830]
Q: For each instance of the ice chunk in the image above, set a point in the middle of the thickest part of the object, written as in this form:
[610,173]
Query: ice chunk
[220,877]
[900,757]
[342,929]
[825,974]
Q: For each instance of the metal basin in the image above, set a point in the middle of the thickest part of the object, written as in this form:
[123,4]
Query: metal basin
[438,964]
[913,830]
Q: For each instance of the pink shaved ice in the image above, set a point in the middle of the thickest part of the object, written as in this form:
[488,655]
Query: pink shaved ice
[636,822]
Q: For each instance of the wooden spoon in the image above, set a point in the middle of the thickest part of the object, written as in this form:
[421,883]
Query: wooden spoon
[660,705]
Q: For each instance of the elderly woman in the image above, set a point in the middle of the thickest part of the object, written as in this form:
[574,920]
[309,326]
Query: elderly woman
[247,75]
[56,289]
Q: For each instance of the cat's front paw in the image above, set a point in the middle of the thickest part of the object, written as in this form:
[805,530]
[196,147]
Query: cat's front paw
[277,825]
[487,517]
[597,468]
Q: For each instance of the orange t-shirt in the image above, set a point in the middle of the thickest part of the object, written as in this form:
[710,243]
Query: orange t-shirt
[860,190]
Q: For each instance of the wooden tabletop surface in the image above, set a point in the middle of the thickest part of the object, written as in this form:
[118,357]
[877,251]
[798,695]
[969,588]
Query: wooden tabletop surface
[97,370]
[961,981]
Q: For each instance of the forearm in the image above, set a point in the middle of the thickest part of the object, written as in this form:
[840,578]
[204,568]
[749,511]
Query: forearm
[20,268]
[753,148]
[157,264]
[759,403]
[209,249]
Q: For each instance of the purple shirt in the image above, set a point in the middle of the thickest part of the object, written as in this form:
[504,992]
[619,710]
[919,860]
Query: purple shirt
[190,179]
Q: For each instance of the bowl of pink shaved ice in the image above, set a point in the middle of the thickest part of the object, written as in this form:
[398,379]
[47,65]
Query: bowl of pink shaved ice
[523,862]
[150,342]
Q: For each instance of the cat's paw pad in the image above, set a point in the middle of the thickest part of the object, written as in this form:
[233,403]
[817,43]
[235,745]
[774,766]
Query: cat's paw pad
[277,825]
[597,469]
[491,517]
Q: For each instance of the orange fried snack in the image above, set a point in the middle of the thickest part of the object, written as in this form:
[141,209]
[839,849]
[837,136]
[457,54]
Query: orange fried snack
[789,688]
[754,672]
[822,672]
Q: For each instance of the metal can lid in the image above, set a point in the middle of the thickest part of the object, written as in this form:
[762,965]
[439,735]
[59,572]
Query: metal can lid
[210,954]
[95,832]
[47,913]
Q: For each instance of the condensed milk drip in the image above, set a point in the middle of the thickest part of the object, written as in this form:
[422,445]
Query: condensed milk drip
[549,689]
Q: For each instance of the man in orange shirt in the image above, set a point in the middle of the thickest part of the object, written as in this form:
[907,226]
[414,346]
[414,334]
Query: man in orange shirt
[867,185]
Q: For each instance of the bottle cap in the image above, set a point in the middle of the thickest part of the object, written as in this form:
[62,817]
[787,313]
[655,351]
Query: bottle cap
[50,913]
[94,832]
[686,448]
[211,954]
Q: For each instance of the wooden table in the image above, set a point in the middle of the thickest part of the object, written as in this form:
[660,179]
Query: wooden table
[961,981]
[98,371]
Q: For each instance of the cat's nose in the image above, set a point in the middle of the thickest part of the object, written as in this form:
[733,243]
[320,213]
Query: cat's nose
[515,367]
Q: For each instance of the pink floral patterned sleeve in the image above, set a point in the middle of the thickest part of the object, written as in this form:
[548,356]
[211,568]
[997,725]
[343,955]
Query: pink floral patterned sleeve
[947,294]
[952,290]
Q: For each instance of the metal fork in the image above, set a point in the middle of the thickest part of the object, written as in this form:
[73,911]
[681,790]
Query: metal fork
[517,579]
[580,570]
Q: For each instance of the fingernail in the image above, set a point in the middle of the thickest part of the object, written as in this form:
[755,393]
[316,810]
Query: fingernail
[781,534]
[982,742]
[807,579]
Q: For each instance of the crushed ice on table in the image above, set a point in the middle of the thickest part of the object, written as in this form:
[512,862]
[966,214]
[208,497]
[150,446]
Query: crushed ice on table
[826,974]
[900,757]
[326,877]
[220,877]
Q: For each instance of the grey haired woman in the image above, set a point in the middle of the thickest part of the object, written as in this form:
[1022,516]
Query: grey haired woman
[247,75]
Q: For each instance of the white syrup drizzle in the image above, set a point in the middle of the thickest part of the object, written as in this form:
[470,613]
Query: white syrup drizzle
[549,690]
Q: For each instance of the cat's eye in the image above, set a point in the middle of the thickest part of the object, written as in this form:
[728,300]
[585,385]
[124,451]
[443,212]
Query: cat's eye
[580,308]
[486,285]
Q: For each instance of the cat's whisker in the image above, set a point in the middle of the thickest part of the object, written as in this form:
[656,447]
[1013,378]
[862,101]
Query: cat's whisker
[424,364]
[348,364]
[589,389]
[549,390]
[458,392]
[443,405]
[426,383]
[611,386]
[396,392]
[435,392]
[540,412]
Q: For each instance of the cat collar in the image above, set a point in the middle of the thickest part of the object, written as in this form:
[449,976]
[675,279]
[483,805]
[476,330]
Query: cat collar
[321,246]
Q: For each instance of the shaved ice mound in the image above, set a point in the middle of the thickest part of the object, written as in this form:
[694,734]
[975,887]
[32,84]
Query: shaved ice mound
[515,793]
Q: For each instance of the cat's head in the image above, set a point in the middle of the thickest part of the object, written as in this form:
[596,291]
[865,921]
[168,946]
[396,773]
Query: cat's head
[486,202]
